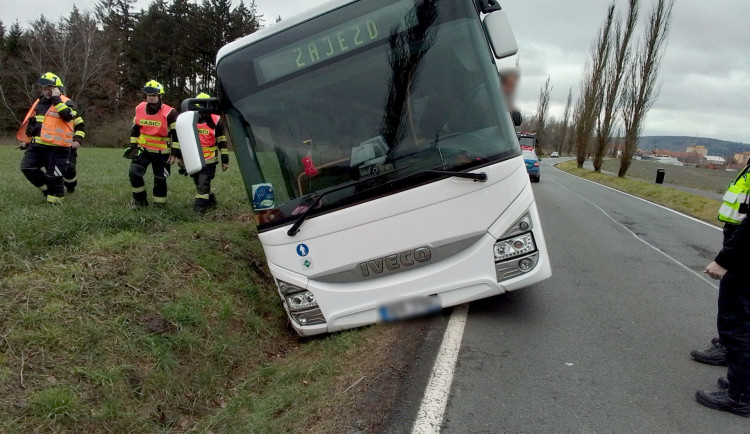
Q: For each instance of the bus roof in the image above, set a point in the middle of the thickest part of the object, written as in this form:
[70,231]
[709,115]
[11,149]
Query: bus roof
[280,27]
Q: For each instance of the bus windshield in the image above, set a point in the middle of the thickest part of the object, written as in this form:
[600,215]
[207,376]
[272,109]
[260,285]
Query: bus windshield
[372,95]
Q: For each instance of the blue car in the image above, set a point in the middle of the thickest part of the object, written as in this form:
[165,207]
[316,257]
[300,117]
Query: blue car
[532,165]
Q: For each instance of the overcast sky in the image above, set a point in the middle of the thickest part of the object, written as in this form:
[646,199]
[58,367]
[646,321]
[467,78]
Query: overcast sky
[705,77]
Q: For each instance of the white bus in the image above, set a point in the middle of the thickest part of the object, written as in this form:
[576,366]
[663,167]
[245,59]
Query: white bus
[380,158]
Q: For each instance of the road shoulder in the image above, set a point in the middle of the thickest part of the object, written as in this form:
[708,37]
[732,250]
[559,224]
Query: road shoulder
[696,206]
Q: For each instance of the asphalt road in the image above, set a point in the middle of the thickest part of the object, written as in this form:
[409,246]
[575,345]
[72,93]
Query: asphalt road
[602,346]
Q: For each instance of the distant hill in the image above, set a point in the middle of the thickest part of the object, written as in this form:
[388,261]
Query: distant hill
[679,143]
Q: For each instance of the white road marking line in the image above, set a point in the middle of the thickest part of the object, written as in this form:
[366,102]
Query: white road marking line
[667,255]
[640,198]
[435,399]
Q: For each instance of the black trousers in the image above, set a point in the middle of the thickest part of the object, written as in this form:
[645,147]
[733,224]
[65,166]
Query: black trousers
[71,175]
[733,322]
[44,166]
[202,179]
[161,170]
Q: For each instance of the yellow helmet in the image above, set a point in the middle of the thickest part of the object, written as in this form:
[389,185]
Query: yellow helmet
[49,79]
[203,95]
[153,87]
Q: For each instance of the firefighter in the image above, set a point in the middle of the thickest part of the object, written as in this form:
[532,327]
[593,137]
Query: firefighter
[733,320]
[70,177]
[51,129]
[153,141]
[214,146]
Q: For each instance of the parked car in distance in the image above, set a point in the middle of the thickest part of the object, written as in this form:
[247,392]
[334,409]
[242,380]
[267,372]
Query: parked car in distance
[533,167]
[555,155]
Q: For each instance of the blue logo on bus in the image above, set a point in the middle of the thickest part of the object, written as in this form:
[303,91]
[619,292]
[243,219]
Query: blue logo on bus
[303,250]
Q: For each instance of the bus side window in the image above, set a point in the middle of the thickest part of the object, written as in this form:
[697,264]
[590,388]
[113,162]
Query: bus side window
[270,162]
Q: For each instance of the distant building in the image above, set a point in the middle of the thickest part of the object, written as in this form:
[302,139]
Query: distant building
[714,162]
[697,149]
[742,159]
[669,160]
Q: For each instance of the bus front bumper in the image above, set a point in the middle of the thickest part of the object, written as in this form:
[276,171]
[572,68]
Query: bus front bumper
[467,276]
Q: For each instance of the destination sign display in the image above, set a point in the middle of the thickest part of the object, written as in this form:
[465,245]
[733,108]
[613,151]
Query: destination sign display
[365,30]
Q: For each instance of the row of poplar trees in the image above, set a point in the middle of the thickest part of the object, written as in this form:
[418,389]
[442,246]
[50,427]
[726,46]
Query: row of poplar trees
[618,88]
[105,55]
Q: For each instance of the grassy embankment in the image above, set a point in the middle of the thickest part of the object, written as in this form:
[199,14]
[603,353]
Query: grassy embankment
[715,181]
[697,206]
[156,320]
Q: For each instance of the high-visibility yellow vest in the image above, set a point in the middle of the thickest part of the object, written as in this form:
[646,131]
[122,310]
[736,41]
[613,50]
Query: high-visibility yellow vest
[735,204]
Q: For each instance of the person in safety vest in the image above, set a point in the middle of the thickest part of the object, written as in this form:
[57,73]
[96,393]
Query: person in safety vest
[70,177]
[51,129]
[732,267]
[214,146]
[153,140]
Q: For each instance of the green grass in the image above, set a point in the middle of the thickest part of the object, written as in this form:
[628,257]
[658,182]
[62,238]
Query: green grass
[149,321]
[700,178]
[697,206]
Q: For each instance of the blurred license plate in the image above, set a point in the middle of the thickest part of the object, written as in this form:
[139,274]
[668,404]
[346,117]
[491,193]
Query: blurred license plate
[408,308]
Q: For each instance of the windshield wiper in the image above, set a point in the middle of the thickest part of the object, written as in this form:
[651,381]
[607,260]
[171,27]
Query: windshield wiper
[294,230]
[477,177]
[295,227]
[297,224]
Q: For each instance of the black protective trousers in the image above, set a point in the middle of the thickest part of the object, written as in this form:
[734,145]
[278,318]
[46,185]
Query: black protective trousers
[733,322]
[204,197]
[161,169]
[71,174]
[44,166]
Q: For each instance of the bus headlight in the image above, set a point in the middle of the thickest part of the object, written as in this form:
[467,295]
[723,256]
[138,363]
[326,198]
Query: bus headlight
[522,225]
[510,248]
[301,301]
[302,306]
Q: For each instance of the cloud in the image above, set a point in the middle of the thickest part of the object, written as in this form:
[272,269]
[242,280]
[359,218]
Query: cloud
[705,86]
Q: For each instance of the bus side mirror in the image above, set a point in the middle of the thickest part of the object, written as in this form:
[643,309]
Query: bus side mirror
[517,118]
[190,143]
[202,105]
[500,34]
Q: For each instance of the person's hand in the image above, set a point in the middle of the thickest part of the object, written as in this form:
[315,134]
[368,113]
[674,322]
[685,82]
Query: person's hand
[171,159]
[131,153]
[181,165]
[224,167]
[715,270]
[56,91]
[76,144]
[23,146]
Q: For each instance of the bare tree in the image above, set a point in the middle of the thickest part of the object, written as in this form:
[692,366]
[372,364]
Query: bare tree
[641,88]
[562,137]
[542,113]
[6,104]
[75,50]
[612,81]
[589,103]
[528,123]
[89,57]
